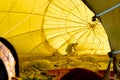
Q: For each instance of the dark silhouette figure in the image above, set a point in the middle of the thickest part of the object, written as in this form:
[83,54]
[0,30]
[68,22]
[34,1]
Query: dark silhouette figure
[3,72]
[81,74]
[71,48]
[12,50]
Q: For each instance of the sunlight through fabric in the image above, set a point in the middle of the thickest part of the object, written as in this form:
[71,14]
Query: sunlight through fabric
[70,21]
[51,26]
[109,15]
[21,24]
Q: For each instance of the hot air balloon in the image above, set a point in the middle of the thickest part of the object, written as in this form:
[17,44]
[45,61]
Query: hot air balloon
[22,25]
[69,24]
[108,13]
[52,26]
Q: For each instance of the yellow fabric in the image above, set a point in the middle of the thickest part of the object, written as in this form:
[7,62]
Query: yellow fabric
[49,26]
[110,20]
[21,23]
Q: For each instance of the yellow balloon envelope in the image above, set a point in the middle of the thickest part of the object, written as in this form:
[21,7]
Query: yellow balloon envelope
[110,19]
[109,13]
[47,26]
[21,23]
[70,22]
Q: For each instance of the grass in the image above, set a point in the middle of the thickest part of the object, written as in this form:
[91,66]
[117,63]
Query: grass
[74,61]
[91,62]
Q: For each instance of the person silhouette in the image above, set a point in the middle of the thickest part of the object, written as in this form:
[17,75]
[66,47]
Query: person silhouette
[3,72]
[71,48]
[5,48]
[81,74]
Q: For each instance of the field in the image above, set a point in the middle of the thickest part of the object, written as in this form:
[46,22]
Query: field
[36,66]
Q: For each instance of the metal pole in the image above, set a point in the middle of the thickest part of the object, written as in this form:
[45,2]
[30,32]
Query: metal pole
[108,10]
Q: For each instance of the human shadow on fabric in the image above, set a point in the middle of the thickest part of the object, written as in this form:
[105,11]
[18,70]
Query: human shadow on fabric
[12,50]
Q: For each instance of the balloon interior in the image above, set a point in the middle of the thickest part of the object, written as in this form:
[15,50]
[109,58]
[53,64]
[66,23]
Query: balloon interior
[52,38]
